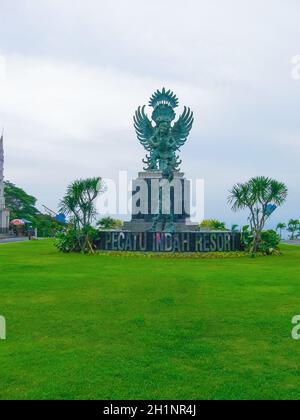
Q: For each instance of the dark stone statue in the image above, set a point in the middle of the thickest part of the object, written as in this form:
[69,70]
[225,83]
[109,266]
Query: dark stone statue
[163,140]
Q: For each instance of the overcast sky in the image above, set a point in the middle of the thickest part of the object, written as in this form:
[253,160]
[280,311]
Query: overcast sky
[72,74]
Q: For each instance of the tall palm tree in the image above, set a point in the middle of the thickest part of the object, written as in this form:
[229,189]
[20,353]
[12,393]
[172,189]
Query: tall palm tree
[293,228]
[79,201]
[279,228]
[256,195]
[79,204]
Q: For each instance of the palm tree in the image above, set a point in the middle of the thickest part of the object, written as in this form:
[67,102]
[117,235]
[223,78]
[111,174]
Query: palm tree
[79,201]
[261,196]
[280,227]
[213,224]
[235,228]
[108,223]
[293,227]
[79,204]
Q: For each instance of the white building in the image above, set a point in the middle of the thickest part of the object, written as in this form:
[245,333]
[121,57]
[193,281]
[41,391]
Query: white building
[4,213]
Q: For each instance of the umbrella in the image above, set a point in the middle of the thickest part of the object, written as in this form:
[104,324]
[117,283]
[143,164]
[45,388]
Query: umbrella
[17,222]
[61,218]
[27,222]
[20,222]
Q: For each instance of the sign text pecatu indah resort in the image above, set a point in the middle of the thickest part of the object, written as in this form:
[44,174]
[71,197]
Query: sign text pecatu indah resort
[170,242]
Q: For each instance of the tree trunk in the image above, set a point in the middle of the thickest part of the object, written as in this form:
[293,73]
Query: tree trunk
[256,242]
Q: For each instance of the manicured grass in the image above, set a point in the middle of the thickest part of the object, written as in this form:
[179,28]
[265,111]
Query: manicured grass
[105,327]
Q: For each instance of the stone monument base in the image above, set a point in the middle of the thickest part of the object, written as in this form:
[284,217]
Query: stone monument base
[159,204]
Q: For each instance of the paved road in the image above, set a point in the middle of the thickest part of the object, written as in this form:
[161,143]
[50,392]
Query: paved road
[295,243]
[11,240]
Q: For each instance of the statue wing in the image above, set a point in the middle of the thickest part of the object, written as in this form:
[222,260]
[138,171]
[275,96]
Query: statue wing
[143,127]
[182,127]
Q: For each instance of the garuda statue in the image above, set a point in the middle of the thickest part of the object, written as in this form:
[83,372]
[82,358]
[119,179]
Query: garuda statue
[163,139]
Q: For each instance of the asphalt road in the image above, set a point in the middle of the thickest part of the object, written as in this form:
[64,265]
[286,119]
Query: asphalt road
[12,240]
[295,243]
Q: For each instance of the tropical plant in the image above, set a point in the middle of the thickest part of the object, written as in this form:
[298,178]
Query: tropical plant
[279,228]
[270,241]
[77,240]
[246,237]
[47,226]
[212,224]
[79,204]
[235,228]
[67,241]
[108,223]
[261,196]
[79,201]
[294,228]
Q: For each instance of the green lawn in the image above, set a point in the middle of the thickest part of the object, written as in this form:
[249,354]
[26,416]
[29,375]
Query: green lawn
[106,327]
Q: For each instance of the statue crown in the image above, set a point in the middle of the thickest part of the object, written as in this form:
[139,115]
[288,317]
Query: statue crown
[163,97]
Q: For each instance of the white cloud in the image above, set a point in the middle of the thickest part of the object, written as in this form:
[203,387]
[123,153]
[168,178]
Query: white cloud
[2,70]
[75,73]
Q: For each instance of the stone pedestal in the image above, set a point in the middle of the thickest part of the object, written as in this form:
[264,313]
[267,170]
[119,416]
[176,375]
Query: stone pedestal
[153,196]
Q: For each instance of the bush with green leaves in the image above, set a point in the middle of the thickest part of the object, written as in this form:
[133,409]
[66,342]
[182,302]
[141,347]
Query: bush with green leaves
[269,244]
[67,241]
[108,223]
[212,224]
[247,238]
[270,241]
[77,240]
[47,226]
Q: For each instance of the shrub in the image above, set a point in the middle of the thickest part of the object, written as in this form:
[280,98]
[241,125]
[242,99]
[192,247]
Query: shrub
[108,223]
[47,226]
[67,241]
[77,240]
[246,238]
[270,241]
[212,224]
